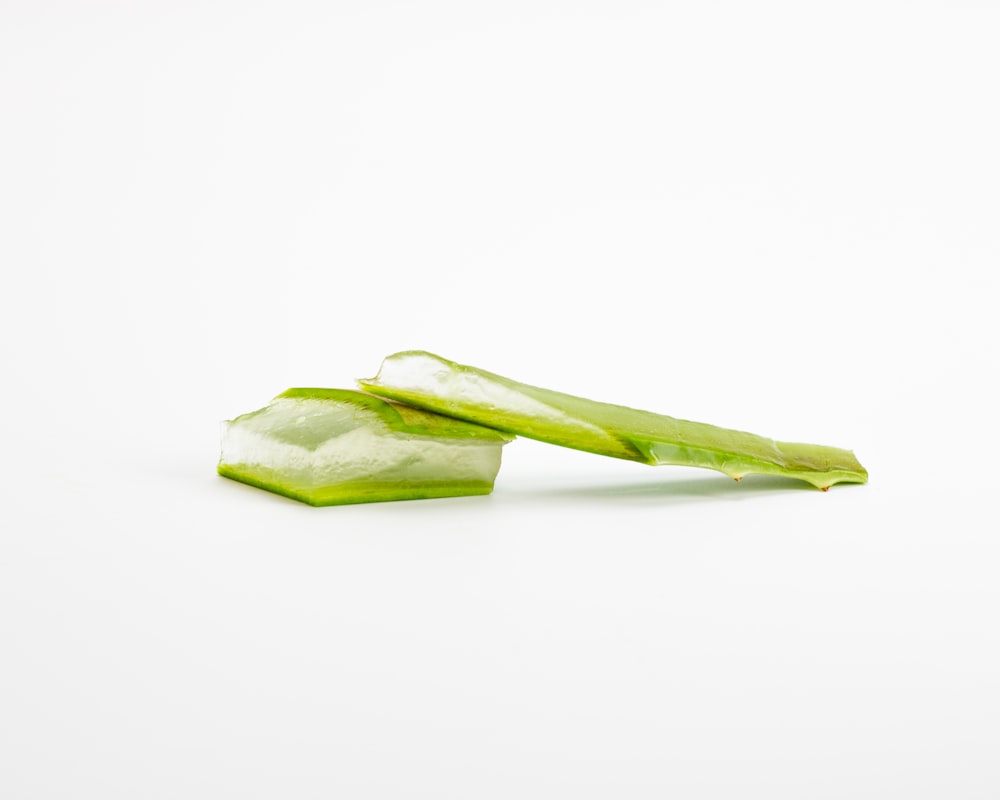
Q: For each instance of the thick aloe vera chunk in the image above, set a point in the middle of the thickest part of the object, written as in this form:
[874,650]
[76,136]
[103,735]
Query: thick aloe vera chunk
[434,383]
[336,446]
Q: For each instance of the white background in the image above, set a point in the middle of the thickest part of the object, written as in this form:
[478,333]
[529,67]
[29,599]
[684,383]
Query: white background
[783,218]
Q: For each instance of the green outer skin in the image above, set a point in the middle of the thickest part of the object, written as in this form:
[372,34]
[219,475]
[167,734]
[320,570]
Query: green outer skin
[628,433]
[402,419]
[343,494]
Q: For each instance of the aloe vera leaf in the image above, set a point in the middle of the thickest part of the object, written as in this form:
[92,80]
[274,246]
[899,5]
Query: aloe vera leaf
[437,384]
[337,446]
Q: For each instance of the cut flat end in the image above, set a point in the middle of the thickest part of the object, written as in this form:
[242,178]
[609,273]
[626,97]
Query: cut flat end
[334,447]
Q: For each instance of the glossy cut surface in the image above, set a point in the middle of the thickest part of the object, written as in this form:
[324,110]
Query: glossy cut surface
[338,446]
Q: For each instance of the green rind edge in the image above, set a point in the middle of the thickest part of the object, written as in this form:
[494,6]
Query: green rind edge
[355,492]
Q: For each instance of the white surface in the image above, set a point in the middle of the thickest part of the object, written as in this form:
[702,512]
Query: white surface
[782,218]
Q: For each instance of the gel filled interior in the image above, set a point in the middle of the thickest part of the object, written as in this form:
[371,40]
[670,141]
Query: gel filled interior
[328,447]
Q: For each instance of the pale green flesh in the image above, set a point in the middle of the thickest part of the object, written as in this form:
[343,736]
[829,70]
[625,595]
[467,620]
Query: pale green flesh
[337,446]
[436,384]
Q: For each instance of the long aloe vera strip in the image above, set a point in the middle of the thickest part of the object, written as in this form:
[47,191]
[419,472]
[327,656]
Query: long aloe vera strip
[437,384]
[337,446]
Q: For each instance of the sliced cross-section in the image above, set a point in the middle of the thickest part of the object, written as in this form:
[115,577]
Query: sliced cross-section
[336,446]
